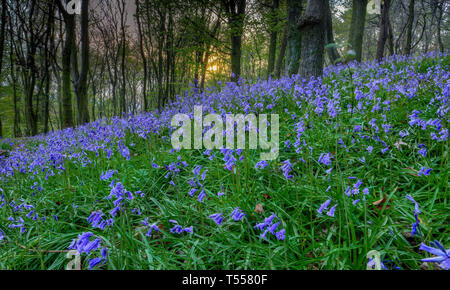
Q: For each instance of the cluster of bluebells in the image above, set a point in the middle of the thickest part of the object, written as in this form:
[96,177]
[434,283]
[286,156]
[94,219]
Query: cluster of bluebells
[268,226]
[84,244]
[237,214]
[286,167]
[177,229]
[151,227]
[197,186]
[324,101]
[324,206]
[355,190]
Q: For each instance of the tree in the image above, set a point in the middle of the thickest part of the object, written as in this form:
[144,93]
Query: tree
[80,79]
[293,46]
[235,10]
[273,23]
[440,7]
[356,35]
[312,27]
[69,22]
[2,42]
[281,53]
[409,27]
[142,53]
[384,28]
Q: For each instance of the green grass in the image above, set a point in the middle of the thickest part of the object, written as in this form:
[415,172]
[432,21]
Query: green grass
[312,241]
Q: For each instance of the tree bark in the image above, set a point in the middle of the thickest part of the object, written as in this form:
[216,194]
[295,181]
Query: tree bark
[81,85]
[294,39]
[143,57]
[409,27]
[273,37]
[356,36]
[384,28]
[312,26]
[281,54]
[123,106]
[440,7]
[2,42]
[236,14]
[69,22]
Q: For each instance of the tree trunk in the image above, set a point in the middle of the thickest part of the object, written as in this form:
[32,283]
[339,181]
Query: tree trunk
[67,114]
[440,7]
[356,36]
[281,54]
[273,37]
[294,39]
[81,85]
[2,42]
[143,57]
[384,28]
[236,15]
[390,39]
[409,27]
[312,26]
[123,105]
[333,53]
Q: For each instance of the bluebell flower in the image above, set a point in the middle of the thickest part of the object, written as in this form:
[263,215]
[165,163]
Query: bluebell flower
[150,226]
[286,168]
[218,218]
[325,158]
[442,255]
[331,211]
[107,174]
[281,235]
[424,171]
[324,206]
[261,164]
[237,214]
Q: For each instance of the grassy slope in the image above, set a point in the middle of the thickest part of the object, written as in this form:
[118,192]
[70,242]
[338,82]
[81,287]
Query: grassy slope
[312,241]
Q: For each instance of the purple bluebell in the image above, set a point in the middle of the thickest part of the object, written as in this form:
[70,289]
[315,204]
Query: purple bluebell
[438,250]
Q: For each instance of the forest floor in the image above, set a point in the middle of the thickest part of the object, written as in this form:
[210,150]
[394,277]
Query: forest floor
[363,165]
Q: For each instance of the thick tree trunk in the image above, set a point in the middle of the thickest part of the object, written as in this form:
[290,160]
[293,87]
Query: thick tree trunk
[409,27]
[281,54]
[312,26]
[236,14]
[333,53]
[2,33]
[67,114]
[2,42]
[440,7]
[123,105]
[356,36]
[143,57]
[81,86]
[294,39]
[17,132]
[390,39]
[384,28]
[48,38]
[273,37]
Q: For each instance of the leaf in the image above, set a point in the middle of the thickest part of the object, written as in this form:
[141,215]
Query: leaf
[331,45]
[259,208]
[379,204]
